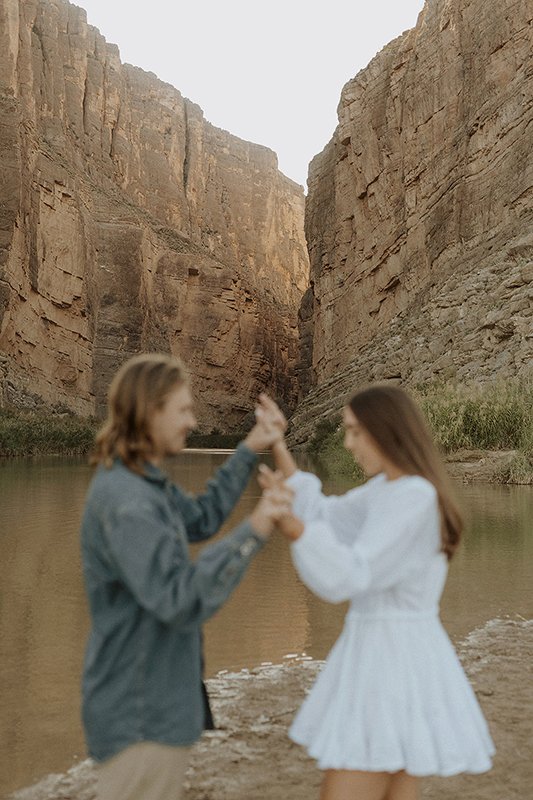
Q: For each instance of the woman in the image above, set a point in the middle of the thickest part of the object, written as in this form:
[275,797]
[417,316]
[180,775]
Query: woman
[144,703]
[392,702]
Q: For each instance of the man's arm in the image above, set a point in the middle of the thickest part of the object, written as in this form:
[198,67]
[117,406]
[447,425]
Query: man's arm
[204,514]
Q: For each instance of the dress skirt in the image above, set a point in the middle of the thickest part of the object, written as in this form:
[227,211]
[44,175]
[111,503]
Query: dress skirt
[393,696]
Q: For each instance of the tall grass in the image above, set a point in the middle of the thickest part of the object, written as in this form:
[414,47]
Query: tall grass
[24,433]
[497,417]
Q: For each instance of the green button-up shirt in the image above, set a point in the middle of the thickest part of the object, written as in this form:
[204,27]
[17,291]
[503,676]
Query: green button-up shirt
[142,677]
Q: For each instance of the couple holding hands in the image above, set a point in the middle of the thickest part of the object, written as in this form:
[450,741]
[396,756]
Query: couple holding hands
[392,702]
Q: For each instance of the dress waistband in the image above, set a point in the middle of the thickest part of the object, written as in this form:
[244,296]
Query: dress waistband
[393,614]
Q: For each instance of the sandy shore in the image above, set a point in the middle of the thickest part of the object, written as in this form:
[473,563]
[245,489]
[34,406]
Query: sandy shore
[250,756]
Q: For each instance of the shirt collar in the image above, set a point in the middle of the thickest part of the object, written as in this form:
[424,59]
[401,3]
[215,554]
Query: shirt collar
[153,473]
[149,471]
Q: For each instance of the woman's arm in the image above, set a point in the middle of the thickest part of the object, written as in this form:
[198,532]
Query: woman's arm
[345,513]
[283,459]
[393,540]
[268,410]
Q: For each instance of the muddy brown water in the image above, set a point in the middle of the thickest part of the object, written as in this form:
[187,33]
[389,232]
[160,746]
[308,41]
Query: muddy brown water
[43,613]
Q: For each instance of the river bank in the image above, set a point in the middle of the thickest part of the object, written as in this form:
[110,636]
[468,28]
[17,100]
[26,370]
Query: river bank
[490,466]
[485,434]
[46,432]
[467,466]
[250,755]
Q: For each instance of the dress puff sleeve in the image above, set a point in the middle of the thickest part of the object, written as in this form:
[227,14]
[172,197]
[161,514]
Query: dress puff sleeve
[401,529]
[345,513]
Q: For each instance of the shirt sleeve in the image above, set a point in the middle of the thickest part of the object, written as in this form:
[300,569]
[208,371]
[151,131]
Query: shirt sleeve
[393,540]
[204,514]
[152,562]
[344,514]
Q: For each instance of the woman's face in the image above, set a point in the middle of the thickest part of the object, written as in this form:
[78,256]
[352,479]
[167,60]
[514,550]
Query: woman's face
[361,445]
[171,423]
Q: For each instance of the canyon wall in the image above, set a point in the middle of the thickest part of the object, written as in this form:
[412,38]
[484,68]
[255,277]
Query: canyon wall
[129,223]
[419,217]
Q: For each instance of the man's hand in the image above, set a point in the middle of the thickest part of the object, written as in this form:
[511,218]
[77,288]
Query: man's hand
[290,525]
[263,436]
[269,427]
[275,502]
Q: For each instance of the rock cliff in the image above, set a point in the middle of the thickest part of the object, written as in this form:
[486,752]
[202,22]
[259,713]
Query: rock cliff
[128,223]
[419,215]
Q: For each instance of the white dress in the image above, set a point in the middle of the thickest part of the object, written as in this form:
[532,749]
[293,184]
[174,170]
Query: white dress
[392,694]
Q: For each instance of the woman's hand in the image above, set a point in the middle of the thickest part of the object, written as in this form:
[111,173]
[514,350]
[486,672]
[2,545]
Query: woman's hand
[269,410]
[289,525]
[268,479]
[262,436]
[275,502]
[269,427]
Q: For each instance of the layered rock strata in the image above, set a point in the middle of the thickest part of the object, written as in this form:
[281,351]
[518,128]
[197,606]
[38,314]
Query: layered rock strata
[420,209]
[129,223]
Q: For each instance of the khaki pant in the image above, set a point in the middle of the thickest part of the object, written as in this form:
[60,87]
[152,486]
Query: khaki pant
[143,771]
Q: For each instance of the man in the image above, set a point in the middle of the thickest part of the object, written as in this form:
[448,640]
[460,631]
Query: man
[144,703]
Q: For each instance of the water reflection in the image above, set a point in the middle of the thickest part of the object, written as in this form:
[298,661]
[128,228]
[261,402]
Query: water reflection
[43,618]
[492,573]
[43,615]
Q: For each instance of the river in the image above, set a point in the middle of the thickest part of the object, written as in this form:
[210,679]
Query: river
[43,613]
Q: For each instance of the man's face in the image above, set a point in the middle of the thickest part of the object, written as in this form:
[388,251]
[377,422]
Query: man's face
[171,423]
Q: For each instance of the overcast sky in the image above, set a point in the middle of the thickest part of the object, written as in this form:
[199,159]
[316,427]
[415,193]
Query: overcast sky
[270,72]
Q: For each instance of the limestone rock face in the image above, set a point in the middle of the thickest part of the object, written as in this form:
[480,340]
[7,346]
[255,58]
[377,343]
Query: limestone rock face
[420,210]
[129,223]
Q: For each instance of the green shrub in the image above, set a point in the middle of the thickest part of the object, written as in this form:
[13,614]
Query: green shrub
[324,431]
[327,451]
[35,432]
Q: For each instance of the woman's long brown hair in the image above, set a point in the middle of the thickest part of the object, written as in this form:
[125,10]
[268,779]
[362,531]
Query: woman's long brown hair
[397,426]
[139,388]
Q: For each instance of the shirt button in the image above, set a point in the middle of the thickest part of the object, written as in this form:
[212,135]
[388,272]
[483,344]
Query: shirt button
[247,548]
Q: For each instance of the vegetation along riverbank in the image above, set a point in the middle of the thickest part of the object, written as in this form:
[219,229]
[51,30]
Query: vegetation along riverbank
[40,432]
[485,433]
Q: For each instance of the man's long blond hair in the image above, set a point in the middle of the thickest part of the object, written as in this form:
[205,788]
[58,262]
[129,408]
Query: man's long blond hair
[139,388]
[395,423]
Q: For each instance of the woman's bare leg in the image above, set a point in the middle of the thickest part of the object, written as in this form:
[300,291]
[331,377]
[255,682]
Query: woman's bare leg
[347,784]
[403,787]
